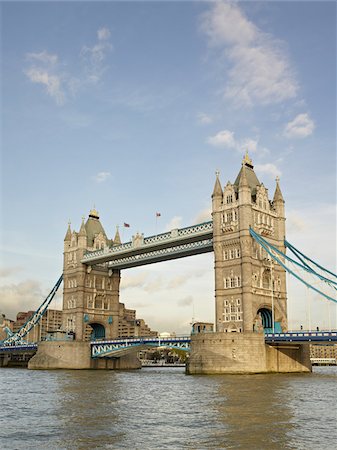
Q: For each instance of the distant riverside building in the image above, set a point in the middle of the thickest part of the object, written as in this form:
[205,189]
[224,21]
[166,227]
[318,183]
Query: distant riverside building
[130,326]
[5,323]
[323,351]
[50,322]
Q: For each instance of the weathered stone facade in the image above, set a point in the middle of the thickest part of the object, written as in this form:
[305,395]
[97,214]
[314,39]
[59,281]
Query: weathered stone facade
[90,295]
[249,288]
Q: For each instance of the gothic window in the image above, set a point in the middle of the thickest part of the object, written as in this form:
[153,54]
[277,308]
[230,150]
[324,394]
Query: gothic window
[232,282]
[225,255]
[228,283]
[226,302]
[232,254]
[229,217]
[98,303]
[106,305]
[266,279]
[229,198]
[238,253]
[238,301]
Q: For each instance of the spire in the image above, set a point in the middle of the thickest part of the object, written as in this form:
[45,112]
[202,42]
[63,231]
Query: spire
[247,161]
[94,213]
[83,231]
[278,194]
[68,234]
[117,240]
[217,191]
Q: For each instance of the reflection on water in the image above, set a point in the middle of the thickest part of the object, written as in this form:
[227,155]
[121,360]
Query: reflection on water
[162,408]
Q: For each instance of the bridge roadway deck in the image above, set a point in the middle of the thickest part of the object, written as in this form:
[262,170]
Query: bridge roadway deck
[104,347]
[116,347]
[174,244]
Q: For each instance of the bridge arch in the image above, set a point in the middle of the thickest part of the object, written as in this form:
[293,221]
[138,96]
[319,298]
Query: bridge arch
[266,317]
[98,331]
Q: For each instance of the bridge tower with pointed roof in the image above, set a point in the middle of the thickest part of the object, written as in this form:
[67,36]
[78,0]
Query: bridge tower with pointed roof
[250,291]
[90,294]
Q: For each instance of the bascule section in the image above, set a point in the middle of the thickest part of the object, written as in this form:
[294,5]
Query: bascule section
[250,289]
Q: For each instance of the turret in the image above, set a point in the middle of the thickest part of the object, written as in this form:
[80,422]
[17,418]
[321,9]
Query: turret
[67,237]
[278,200]
[217,193]
[117,239]
[82,235]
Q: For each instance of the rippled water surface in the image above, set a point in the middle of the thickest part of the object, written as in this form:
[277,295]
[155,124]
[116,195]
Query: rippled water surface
[165,409]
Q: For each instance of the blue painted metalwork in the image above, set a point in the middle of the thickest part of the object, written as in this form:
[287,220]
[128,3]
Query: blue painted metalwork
[271,248]
[111,348]
[98,331]
[17,348]
[17,338]
[302,336]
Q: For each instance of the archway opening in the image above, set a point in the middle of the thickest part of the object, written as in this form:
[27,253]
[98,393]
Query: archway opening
[98,331]
[267,319]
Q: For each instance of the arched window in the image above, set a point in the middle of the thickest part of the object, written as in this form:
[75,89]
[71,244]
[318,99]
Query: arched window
[266,278]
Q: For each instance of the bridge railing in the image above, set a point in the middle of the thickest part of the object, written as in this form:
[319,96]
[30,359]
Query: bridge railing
[170,236]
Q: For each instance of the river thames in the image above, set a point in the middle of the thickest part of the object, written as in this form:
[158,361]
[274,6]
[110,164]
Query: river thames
[162,408]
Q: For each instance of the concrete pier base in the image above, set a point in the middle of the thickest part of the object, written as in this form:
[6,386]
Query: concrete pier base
[76,355]
[244,353]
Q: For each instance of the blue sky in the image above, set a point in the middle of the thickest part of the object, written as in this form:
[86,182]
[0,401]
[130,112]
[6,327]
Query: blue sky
[133,106]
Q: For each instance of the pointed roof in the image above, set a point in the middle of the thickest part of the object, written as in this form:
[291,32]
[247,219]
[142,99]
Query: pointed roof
[93,227]
[117,239]
[68,234]
[243,182]
[247,171]
[217,191]
[83,231]
[278,194]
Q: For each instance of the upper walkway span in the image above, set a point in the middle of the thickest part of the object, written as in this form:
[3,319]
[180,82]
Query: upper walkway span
[173,244]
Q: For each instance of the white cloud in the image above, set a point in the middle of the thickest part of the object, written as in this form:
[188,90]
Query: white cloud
[47,70]
[8,271]
[93,57]
[50,81]
[268,169]
[301,127]
[103,34]
[186,301]
[23,296]
[43,57]
[260,71]
[175,222]
[226,139]
[223,139]
[100,177]
[204,119]
[204,216]
[296,222]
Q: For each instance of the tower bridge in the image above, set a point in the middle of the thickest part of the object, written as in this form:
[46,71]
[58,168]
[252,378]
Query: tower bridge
[247,237]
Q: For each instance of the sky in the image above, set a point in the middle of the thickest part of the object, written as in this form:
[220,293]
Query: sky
[132,107]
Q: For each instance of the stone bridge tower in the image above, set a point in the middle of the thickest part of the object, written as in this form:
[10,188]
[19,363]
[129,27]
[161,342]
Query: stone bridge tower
[90,295]
[250,289]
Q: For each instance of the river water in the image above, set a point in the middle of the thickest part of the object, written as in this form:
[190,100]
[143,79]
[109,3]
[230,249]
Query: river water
[162,408]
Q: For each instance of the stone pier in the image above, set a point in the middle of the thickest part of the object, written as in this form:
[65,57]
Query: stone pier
[244,353]
[76,355]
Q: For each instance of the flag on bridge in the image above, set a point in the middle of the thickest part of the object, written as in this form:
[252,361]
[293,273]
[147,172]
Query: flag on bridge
[126,225]
[158,214]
